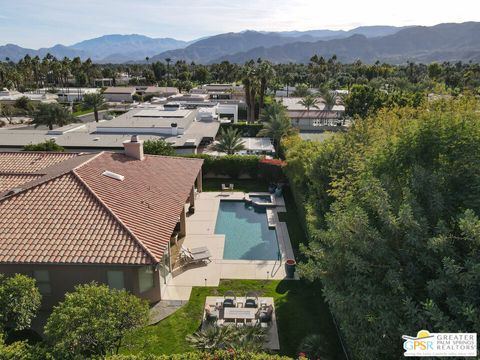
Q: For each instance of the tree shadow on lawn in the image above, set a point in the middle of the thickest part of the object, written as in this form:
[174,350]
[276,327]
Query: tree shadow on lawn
[303,312]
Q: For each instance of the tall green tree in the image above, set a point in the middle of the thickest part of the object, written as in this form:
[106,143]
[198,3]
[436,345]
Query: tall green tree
[93,101]
[393,213]
[251,88]
[19,301]
[230,141]
[93,320]
[51,114]
[363,100]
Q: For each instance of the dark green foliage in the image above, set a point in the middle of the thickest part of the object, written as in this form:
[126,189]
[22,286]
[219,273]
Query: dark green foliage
[158,147]
[230,165]
[212,338]
[93,320]
[51,115]
[19,301]
[229,141]
[217,355]
[246,129]
[393,209]
[49,145]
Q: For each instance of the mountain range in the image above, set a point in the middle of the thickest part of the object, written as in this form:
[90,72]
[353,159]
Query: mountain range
[443,42]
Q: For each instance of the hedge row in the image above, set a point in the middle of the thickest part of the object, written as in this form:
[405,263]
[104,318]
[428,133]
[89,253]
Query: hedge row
[246,129]
[217,355]
[235,166]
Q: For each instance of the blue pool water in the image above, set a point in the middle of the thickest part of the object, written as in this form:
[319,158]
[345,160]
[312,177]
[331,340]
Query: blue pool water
[247,236]
[261,198]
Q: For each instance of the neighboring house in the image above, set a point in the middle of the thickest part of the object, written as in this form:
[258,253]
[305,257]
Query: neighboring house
[72,218]
[318,118]
[160,91]
[185,129]
[9,97]
[119,94]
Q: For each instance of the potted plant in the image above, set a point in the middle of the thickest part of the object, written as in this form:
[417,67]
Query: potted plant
[290,265]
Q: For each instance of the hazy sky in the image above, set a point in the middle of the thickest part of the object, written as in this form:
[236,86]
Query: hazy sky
[43,23]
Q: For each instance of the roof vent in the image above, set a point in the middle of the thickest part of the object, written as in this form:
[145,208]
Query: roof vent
[134,139]
[113,175]
[14,191]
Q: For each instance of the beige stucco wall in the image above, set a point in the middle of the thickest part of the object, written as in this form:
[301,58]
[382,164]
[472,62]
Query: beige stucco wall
[63,279]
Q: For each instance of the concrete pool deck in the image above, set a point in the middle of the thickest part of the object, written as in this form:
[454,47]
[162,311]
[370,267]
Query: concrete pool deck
[200,228]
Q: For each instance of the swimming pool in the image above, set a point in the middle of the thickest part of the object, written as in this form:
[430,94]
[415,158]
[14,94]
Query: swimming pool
[247,236]
[261,198]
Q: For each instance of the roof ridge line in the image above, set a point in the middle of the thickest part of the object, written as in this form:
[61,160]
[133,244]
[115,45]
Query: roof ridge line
[88,160]
[130,232]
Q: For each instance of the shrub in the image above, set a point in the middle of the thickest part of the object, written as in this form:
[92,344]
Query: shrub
[217,355]
[92,321]
[49,145]
[230,165]
[19,301]
[158,147]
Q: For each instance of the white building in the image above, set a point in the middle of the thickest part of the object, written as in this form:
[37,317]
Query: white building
[9,97]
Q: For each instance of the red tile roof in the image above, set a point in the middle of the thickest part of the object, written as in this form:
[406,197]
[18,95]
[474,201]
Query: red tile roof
[10,181]
[74,214]
[60,221]
[30,162]
[150,199]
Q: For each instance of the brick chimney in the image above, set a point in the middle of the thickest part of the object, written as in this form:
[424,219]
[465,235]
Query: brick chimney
[134,148]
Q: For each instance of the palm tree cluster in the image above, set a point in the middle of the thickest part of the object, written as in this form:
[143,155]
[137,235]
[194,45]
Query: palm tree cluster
[247,338]
[256,77]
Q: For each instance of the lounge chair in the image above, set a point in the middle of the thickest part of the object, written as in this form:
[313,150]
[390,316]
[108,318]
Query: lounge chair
[229,299]
[230,187]
[251,300]
[224,187]
[195,257]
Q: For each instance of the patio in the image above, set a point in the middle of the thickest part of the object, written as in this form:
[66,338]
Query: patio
[200,232]
[241,315]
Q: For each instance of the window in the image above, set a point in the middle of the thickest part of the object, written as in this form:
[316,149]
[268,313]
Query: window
[43,281]
[145,278]
[115,279]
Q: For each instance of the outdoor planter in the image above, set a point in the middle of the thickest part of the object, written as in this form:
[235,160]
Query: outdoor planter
[290,268]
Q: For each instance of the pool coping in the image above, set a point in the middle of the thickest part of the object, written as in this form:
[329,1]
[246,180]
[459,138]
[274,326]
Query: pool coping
[201,232]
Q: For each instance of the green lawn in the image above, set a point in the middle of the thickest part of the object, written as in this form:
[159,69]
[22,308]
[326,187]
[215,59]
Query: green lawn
[300,310]
[82,112]
[300,307]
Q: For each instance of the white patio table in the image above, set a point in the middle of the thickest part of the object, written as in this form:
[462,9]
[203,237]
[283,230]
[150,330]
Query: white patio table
[239,313]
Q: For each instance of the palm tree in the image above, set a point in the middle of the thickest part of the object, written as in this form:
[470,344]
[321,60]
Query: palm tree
[212,338]
[51,114]
[247,338]
[95,101]
[168,60]
[265,73]
[329,98]
[309,101]
[315,347]
[230,142]
[276,124]
[251,87]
